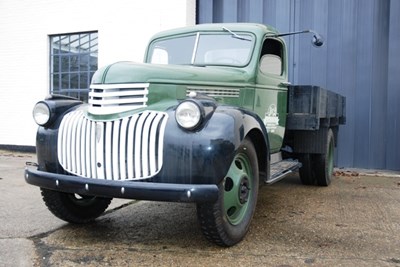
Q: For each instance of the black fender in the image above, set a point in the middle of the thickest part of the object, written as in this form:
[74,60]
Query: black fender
[203,156]
[46,136]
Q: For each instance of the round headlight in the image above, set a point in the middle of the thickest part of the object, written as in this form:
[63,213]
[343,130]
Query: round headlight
[188,114]
[41,113]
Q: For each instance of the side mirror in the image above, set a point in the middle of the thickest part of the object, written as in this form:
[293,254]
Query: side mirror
[317,40]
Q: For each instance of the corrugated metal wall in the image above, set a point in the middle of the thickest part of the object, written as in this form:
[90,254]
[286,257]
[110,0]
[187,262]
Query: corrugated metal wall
[360,60]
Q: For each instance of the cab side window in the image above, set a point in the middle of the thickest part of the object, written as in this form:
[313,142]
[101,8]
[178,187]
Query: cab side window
[271,57]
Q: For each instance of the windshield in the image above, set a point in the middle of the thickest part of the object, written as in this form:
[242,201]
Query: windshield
[203,49]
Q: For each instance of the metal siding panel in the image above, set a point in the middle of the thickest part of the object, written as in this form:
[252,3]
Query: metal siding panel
[318,59]
[282,21]
[304,62]
[347,86]
[205,11]
[230,10]
[293,46]
[393,95]
[225,11]
[364,73]
[256,13]
[217,11]
[269,11]
[378,111]
[334,47]
[243,13]
[358,60]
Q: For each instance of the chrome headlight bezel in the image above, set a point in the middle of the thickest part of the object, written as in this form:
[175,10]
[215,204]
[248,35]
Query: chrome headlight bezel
[189,114]
[41,113]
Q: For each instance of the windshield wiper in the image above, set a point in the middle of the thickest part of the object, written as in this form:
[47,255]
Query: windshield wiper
[234,35]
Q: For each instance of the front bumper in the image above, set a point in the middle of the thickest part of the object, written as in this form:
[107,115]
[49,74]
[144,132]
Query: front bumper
[198,193]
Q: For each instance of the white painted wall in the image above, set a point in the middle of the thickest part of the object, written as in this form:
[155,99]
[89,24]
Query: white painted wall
[124,28]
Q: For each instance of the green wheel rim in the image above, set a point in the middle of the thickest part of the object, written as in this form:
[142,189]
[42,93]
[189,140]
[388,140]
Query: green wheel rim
[237,189]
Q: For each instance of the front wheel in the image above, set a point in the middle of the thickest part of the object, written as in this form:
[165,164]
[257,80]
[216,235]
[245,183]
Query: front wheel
[74,208]
[227,221]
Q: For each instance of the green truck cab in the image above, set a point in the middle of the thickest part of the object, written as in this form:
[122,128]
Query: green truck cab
[207,118]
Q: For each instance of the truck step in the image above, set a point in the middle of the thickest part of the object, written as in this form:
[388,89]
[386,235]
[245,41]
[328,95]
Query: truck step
[282,168]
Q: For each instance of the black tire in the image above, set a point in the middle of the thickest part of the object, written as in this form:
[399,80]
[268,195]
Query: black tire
[306,172]
[227,221]
[74,208]
[323,163]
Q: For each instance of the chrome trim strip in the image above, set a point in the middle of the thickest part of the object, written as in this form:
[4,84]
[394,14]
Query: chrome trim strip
[214,91]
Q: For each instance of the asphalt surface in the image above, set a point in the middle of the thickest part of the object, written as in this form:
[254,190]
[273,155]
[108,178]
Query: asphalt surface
[353,222]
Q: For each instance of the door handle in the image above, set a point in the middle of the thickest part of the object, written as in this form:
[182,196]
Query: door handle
[285,84]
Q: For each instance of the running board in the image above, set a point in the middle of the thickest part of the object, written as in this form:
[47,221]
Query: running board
[282,168]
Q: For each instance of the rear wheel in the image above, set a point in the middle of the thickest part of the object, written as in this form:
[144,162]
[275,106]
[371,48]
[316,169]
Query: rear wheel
[307,174]
[227,221]
[324,162]
[74,208]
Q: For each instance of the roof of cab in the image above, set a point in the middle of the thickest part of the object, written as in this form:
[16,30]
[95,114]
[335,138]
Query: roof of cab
[257,29]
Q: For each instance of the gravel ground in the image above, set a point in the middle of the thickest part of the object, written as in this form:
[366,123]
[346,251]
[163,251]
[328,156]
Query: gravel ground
[353,222]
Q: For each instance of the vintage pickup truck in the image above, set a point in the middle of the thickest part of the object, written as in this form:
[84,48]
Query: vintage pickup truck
[208,118]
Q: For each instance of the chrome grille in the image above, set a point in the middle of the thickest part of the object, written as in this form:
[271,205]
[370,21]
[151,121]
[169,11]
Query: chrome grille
[126,149]
[116,98]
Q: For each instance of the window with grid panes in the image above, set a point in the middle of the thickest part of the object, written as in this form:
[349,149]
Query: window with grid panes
[73,61]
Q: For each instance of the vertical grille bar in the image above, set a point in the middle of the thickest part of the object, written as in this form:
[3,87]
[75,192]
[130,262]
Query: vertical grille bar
[67,143]
[88,149]
[138,146]
[115,150]
[161,141]
[130,146]
[99,135]
[146,137]
[122,153]
[93,149]
[83,147]
[78,145]
[72,145]
[108,149]
[153,156]
[60,141]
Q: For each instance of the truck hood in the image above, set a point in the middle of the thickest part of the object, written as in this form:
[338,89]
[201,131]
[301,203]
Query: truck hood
[130,72]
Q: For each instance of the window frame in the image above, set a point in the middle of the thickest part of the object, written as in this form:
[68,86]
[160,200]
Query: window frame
[276,51]
[73,59]
[198,35]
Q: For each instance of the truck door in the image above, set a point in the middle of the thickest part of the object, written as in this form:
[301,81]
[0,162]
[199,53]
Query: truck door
[271,90]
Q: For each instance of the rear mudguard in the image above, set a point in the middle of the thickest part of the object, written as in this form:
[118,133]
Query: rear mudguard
[200,156]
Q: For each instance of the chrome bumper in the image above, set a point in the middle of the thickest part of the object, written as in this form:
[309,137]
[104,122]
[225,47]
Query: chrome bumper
[198,193]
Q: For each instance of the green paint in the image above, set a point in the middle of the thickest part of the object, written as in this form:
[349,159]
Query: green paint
[255,90]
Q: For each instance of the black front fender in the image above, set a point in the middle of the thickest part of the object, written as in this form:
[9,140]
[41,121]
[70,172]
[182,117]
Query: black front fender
[204,156]
[46,136]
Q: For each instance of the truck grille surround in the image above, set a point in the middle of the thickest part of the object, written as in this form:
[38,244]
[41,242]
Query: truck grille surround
[129,148]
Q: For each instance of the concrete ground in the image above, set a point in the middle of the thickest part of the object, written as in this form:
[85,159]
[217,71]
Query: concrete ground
[353,222]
